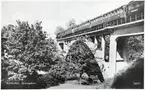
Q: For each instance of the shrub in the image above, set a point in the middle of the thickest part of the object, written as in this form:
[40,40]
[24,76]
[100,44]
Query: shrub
[132,77]
[81,59]
[50,79]
[135,47]
[28,44]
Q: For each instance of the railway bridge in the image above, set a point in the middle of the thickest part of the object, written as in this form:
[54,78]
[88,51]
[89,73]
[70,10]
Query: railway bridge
[108,34]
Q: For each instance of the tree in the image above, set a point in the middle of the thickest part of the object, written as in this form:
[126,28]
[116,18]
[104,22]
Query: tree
[29,44]
[5,34]
[71,23]
[135,47]
[59,29]
[81,59]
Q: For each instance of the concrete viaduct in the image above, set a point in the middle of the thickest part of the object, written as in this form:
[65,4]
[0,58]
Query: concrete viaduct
[115,29]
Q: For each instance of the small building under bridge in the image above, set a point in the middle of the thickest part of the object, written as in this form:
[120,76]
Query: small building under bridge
[108,34]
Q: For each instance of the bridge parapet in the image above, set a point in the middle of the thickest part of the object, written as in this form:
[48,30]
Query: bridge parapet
[133,11]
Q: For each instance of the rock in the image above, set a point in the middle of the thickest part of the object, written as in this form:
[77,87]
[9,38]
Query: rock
[85,76]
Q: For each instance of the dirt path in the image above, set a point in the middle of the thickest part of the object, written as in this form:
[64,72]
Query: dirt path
[73,85]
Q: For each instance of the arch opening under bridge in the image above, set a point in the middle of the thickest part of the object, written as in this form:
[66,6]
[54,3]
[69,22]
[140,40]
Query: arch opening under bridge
[129,47]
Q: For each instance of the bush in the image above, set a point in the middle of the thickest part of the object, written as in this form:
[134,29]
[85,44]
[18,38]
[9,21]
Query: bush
[132,77]
[50,79]
[21,81]
[135,47]
[29,49]
[81,59]
[28,44]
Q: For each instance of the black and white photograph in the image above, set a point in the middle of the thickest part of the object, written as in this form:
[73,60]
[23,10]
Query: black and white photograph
[72,44]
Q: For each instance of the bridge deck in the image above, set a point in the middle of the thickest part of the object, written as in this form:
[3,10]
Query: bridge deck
[106,28]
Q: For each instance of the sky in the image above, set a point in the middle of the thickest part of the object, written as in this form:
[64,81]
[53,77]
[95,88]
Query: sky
[55,13]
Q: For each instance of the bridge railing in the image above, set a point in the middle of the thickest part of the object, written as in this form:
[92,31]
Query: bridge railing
[127,13]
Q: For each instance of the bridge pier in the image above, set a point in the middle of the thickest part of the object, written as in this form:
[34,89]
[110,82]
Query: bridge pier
[95,41]
[60,46]
[103,47]
[100,45]
[64,46]
[112,54]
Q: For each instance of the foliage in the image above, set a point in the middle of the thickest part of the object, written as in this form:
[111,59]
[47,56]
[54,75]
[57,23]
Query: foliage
[135,46]
[80,58]
[59,29]
[56,74]
[51,79]
[71,23]
[131,77]
[77,49]
[25,48]
[28,44]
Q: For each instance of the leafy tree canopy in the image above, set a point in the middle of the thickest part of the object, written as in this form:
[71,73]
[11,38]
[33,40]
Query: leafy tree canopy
[28,44]
[80,58]
[59,29]
[71,23]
